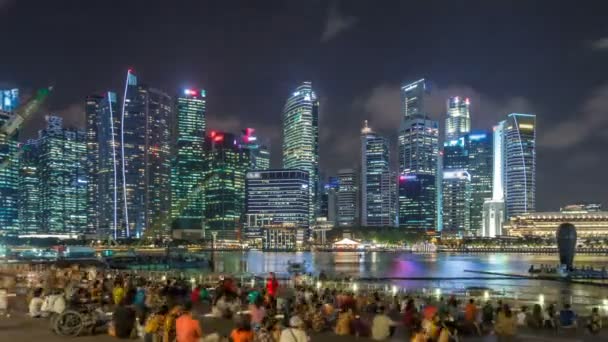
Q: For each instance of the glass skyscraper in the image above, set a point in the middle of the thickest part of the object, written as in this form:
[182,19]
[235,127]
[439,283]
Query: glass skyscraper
[29,188]
[458,121]
[224,192]
[417,209]
[520,164]
[348,198]
[480,167]
[92,111]
[9,178]
[9,100]
[377,200]
[260,153]
[63,179]
[301,138]
[418,156]
[456,197]
[189,160]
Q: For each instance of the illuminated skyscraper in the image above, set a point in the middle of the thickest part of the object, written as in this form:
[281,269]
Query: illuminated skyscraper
[377,200]
[63,179]
[458,121]
[348,198]
[301,137]
[92,111]
[189,164]
[457,201]
[9,99]
[480,167]
[520,164]
[493,214]
[29,189]
[260,153]
[224,192]
[9,179]
[418,153]
[417,201]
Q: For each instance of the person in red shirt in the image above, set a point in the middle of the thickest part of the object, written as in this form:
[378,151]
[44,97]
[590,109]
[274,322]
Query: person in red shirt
[272,285]
[187,328]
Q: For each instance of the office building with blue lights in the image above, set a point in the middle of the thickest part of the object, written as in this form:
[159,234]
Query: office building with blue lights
[9,178]
[520,164]
[417,206]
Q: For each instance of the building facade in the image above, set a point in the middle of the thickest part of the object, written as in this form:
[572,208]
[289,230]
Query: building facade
[29,188]
[92,122]
[417,201]
[348,198]
[9,177]
[259,150]
[458,121]
[63,179]
[277,204]
[493,215]
[224,190]
[301,138]
[188,163]
[9,100]
[457,201]
[480,167]
[520,164]
[377,201]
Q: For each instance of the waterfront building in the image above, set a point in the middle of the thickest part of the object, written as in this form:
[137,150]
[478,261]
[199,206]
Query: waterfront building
[590,222]
[458,121]
[520,164]
[348,198]
[188,164]
[377,201]
[456,201]
[9,178]
[330,193]
[9,100]
[63,179]
[301,138]
[92,122]
[258,149]
[417,201]
[224,190]
[419,155]
[277,204]
[480,167]
[29,188]
[493,213]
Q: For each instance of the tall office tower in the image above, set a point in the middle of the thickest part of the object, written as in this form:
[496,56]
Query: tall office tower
[520,164]
[9,179]
[9,100]
[347,197]
[417,201]
[145,166]
[260,153]
[419,151]
[493,214]
[376,197]
[29,188]
[224,192]
[92,111]
[187,172]
[301,138]
[62,174]
[458,121]
[456,201]
[330,191]
[277,205]
[480,151]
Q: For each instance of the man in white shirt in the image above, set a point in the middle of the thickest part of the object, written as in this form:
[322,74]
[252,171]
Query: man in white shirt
[381,325]
[294,333]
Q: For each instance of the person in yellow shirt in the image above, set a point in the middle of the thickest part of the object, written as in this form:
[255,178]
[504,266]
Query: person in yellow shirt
[118,293]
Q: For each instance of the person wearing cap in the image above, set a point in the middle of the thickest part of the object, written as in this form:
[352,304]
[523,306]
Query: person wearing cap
[295,332]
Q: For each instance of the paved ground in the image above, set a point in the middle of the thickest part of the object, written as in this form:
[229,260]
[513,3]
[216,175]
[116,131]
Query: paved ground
[19,328]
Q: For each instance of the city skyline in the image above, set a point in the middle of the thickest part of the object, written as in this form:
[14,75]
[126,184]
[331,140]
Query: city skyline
[521,60]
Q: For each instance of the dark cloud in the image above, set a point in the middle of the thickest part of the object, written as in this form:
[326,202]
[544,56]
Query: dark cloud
[600,44]
[337,23]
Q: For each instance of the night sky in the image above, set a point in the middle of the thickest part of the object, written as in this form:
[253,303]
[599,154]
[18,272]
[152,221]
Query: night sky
[549,58]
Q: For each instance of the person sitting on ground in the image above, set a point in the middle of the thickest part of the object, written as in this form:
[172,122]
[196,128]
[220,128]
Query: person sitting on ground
[317,320]
[187,328]
[257,312]
[153,330]
[431,326]
[35,305]
[506,323]
[118,293]
[295,332]
[410,314]
[169,326]
[418,334]
[567,317]
[448,332]
[382,325]
[123,320]
[595,322]
[522,316]
[242,332]
[344,321]
[265,333]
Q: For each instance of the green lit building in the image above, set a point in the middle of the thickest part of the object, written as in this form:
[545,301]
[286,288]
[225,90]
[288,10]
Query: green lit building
[258,149]
[188,163]
[29,188]
[301,138]
[224,192]
[63,181]
[9,179]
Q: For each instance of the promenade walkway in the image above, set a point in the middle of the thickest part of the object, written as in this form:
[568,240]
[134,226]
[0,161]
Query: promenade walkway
[20,328]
